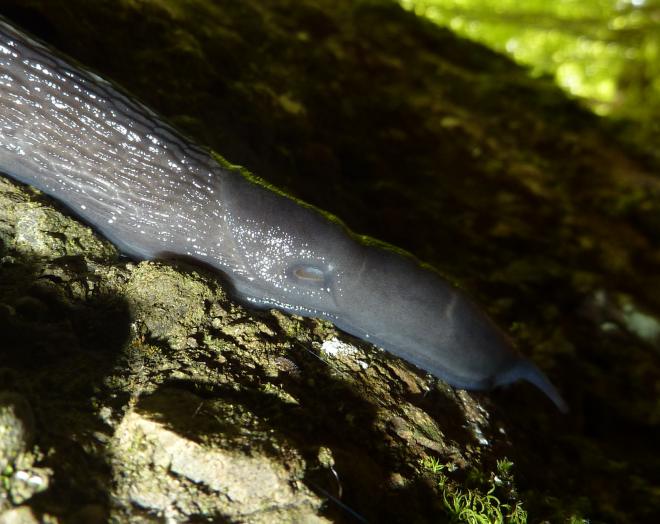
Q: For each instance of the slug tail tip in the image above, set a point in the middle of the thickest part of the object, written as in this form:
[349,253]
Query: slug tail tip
[527,370]
[535,376]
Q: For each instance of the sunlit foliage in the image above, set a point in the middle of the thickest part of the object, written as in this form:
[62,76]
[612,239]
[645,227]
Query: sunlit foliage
[606,52]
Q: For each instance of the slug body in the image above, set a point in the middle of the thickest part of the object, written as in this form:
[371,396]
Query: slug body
[153,192]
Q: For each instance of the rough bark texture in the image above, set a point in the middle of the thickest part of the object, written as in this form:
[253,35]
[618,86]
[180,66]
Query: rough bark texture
[137,392]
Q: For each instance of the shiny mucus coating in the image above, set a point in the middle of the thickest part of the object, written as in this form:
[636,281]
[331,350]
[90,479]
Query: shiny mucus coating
[153,192]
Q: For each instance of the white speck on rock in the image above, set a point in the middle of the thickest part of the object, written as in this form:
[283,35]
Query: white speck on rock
[336,347]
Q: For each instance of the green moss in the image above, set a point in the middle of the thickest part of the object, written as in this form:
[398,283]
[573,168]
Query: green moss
[477,505]
[5,477]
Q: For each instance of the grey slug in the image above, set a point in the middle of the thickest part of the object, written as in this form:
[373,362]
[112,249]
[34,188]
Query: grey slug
[152,192]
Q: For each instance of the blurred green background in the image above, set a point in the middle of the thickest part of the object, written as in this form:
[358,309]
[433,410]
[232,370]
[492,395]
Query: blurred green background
[604,52]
